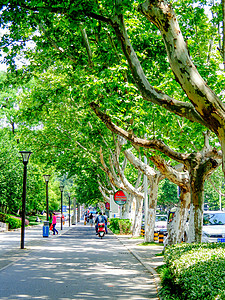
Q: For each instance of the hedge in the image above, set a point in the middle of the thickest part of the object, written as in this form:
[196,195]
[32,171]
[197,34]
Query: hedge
[194,271]
[13,221]
[120,226]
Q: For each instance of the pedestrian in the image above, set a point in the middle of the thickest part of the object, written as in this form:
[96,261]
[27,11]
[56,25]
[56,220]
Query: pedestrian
[54,224]
[96,225]
[91,221]
[85,218]
[106,222]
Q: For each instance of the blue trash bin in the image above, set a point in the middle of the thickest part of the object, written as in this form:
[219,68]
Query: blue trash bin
[46,229]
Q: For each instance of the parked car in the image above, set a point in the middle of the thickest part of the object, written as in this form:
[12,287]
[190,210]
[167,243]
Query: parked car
[213,229]
[160,223]
[213,226]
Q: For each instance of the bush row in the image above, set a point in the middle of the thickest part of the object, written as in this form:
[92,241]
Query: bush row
[194,271]
[13,221]
[120,226]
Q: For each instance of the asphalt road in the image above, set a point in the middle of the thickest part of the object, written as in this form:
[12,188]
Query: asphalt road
[76,265]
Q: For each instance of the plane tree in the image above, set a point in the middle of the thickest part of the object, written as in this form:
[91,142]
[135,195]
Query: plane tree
[194,96]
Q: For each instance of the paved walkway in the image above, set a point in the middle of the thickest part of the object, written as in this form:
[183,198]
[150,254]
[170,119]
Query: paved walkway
[140,264]
[148,256]
[10,243]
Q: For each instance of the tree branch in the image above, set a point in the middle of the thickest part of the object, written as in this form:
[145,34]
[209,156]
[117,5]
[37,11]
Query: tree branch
[205,101]
[149,93]
[150,144]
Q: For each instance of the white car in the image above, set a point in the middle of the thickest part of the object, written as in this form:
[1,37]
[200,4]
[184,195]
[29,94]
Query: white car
[213,226]
[160,223]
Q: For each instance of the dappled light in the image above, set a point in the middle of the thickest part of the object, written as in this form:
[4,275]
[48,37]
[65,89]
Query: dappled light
[78,265]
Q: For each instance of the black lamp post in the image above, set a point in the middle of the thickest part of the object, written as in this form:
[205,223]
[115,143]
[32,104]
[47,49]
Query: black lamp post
[61,189]
[47,177]
[69,208]
[25,156]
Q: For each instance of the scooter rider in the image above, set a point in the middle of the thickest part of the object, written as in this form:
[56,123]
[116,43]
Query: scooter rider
[100,219]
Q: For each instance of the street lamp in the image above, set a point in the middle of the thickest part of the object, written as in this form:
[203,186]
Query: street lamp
[25,156]
[47,177]
[61,189]
[69,207]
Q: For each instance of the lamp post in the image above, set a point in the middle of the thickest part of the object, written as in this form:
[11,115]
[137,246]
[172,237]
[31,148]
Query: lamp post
[25,156]
[61,189]
[69,207]
[47,177]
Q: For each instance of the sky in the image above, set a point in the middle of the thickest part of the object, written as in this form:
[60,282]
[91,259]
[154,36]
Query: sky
[2,67]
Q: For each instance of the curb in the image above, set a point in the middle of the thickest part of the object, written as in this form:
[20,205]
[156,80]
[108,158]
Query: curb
[150,269]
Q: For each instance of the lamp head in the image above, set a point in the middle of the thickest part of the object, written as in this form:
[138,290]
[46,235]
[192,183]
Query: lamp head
[47,177]
[25,156]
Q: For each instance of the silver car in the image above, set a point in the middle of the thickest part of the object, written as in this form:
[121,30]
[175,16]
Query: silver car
[160,223]
[213,226]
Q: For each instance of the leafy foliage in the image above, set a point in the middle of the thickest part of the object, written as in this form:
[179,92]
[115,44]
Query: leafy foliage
[52,92]
[195,271]
[167,195]
[11,220]
[120,226]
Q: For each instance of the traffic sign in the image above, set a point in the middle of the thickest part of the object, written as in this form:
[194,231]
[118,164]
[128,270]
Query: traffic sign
[107,205]
[120,198]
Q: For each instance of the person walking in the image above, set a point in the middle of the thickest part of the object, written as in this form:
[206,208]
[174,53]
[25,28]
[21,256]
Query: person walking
[54,224]
[106,222]
[91,221]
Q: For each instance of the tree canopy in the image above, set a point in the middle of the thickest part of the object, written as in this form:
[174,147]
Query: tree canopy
[108,53]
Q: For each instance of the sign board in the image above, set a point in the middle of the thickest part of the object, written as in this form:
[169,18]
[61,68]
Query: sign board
[120,198]
[64,208]
[107,205]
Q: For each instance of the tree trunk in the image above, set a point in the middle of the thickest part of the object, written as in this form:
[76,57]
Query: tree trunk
[177,227]
[150,218]
[150,225]
[199,168]
[126,207]
[133,211]
[196,211]
[184,207]
[78,213]
[195,224]
[138,217]
[74,217]
[223,50]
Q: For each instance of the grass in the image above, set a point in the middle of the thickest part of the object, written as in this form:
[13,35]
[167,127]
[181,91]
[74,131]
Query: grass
[32,219]
[137,237]
[151,244]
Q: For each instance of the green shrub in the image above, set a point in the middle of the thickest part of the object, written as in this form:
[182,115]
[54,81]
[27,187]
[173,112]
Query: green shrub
[13,222]
[120,226]
[194,271]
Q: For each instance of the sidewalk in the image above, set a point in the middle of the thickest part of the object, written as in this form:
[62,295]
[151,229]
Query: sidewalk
[148,256]
[10,251]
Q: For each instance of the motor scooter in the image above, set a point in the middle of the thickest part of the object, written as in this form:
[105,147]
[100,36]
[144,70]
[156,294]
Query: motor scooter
[101,230]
